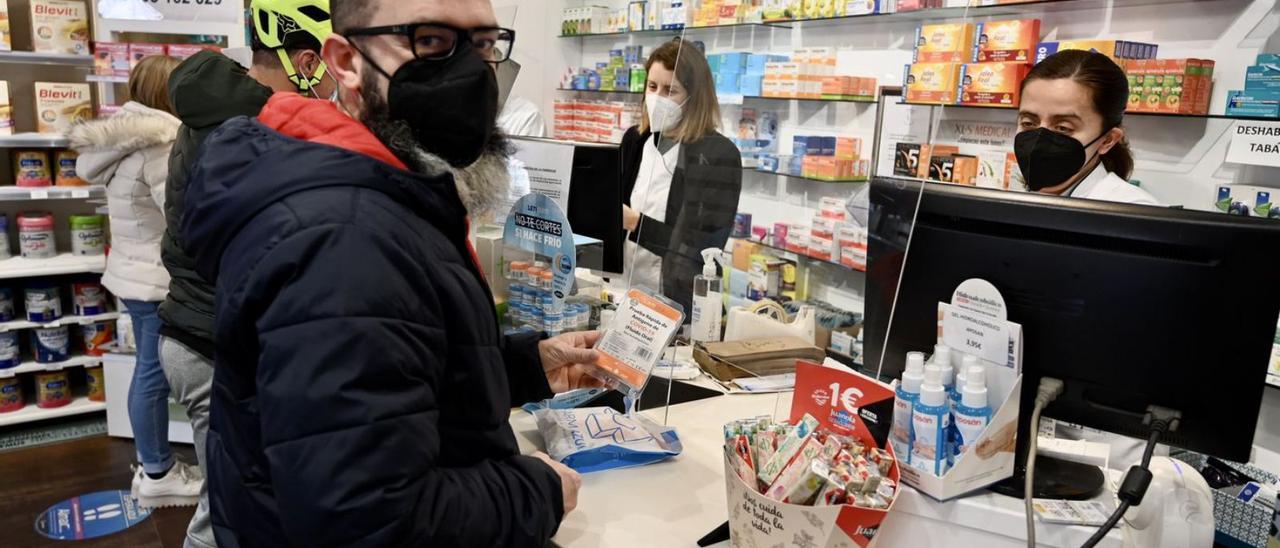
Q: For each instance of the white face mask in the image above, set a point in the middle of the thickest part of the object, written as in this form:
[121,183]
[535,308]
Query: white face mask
[664,114]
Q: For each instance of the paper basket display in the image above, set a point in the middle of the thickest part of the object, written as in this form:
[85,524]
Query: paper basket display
[843,402]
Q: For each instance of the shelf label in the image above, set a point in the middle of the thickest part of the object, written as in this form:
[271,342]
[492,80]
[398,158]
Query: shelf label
[80,193]
[40,194]
[1255,144]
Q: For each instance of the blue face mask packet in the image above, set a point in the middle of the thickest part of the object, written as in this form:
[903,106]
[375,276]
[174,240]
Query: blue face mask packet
[598,438]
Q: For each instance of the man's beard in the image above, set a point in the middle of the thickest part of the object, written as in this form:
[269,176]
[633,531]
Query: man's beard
[482,186]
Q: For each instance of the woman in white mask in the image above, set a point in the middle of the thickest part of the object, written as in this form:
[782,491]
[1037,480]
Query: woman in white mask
[682,177]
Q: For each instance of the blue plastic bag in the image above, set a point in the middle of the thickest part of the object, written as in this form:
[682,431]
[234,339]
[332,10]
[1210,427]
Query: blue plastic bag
[599,438]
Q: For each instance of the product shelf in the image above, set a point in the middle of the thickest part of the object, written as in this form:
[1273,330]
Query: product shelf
[1142,114]
[32,413]
[34,140]
[41,58]
[662,32]
[18,193]
[36,367]
[66,263]
[65,320]
[799,257]
[811,179]
[98,78]
[732,99]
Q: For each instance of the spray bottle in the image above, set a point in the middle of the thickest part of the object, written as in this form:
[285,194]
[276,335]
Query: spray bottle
[708,303]
[907,393]
[966,362]
[974,412]
[931,423]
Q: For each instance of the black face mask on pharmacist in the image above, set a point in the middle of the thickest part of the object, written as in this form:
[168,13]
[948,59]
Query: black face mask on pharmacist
[1048,158]
[450,104]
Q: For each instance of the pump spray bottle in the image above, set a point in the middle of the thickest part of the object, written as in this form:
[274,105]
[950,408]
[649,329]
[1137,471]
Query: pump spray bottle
[930,423]
[974,412]
[907,393]
[708,303]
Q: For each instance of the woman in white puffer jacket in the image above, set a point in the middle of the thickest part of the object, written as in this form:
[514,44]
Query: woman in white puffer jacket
[129,153]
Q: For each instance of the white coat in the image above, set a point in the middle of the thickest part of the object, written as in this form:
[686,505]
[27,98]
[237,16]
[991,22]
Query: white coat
[129,153]
[1108,187]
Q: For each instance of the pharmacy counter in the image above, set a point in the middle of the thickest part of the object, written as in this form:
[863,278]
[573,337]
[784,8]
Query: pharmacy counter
[676,502]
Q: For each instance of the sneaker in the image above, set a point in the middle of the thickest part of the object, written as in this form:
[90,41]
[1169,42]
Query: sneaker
[138,474]
[179,487]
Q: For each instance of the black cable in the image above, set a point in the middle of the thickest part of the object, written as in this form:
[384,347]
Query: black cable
[1135,482]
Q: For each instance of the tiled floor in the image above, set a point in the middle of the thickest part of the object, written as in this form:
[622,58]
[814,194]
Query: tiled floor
[33,479]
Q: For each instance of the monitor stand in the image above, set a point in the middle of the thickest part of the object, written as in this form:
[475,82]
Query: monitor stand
[1055,479]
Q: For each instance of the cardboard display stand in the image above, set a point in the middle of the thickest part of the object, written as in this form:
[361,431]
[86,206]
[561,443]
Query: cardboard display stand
[976,323]
[844,402]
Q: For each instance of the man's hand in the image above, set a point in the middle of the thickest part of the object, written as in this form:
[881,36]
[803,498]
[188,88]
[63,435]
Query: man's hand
[570,481]
[630,219]
[567,358]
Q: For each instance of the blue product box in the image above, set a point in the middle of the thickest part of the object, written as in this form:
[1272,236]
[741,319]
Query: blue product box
[755,63]
[714,62]
[734,61]
[828,146]
[1242,97]
[1259,110]
[1261,77]
[728,83]
[1044,50]
[767,162]
[814,146]
[795,166]
[799,146]
[1269,58]
[752,85]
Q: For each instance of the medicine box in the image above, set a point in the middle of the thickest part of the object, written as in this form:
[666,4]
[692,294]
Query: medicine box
[992,84]
[6,110]
[1006,41]
[140,51]
[111,59]
[6,36]
[932,83]
[861,7]
[991,170]
[947,42]
[1256,110]
[60,26]
[1262,77]
[60,105]
[1268,59]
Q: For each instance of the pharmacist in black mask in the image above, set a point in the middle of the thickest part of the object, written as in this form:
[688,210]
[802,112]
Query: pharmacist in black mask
[362,388]
[1070,141]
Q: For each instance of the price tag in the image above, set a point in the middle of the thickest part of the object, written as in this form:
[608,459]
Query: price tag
[39,194]
[80,193]
[976,334]
[640,330]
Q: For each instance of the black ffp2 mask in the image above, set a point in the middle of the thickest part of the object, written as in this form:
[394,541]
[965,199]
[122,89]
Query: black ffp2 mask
[450,104]
[1048,158]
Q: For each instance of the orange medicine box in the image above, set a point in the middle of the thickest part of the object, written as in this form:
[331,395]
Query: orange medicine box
[944,43]
[934,83]
[992,84]
[848,148]
[1007,41]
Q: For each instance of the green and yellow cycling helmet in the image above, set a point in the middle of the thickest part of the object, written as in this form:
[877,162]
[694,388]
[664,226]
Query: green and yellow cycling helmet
[287,24]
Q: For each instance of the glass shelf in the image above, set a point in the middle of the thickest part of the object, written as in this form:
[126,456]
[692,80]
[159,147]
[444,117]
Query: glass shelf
[1144,114]
[793,256]
[802,178]
[731,99]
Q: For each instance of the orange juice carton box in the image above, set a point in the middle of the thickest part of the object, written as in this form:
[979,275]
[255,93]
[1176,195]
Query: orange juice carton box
[1006,41]
[944,43]
[992,84]
[932,83]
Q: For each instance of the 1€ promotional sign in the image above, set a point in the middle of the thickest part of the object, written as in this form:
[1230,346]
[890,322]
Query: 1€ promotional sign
[1255,144]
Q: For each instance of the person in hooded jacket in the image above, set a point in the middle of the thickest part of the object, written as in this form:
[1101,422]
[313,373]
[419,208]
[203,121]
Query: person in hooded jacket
[206,90]
[129,154]
[362,388]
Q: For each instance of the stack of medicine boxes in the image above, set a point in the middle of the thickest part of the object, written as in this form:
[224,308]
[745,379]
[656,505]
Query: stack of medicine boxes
[1261,93]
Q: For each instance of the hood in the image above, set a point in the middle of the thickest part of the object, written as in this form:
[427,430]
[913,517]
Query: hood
[209,88]
[298,144]
[104,142]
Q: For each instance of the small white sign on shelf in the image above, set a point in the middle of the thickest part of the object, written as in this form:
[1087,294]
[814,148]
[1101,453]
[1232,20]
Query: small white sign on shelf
[1255,144]
[40,194]
[80,193]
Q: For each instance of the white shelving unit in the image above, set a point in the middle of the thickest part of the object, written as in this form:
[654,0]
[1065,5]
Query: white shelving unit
[32,413]
[36,367]
[65,263]
[34,140]
[66,320]
[39,58]
[15,193]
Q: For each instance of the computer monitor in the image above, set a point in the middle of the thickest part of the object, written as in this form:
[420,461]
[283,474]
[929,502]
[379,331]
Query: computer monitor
[594,202]
[1131,306]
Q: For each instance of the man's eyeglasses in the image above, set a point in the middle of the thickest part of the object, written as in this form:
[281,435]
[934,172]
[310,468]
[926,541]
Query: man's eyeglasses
[438,42]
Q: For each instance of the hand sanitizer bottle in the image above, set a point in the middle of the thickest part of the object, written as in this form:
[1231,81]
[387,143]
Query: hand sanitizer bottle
[708,304]
[974,412]
[907,392]
[931,421]
[966,362]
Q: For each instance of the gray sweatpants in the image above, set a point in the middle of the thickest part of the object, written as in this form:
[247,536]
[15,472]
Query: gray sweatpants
[190,378]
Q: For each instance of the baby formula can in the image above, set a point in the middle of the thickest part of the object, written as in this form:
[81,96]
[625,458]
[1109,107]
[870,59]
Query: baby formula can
[97,336]
[11,394]
[32,168]
[44,303]
[6,304]
[35,235]
[53,389]
[5,250]
[51,344]
[97,387]
[90,299]
[64,165]
[88,234]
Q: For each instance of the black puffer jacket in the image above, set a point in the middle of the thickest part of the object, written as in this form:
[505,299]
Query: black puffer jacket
[206,90]
[362,389]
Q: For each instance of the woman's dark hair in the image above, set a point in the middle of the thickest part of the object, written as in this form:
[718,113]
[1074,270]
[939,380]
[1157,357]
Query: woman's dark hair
[1109,88]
